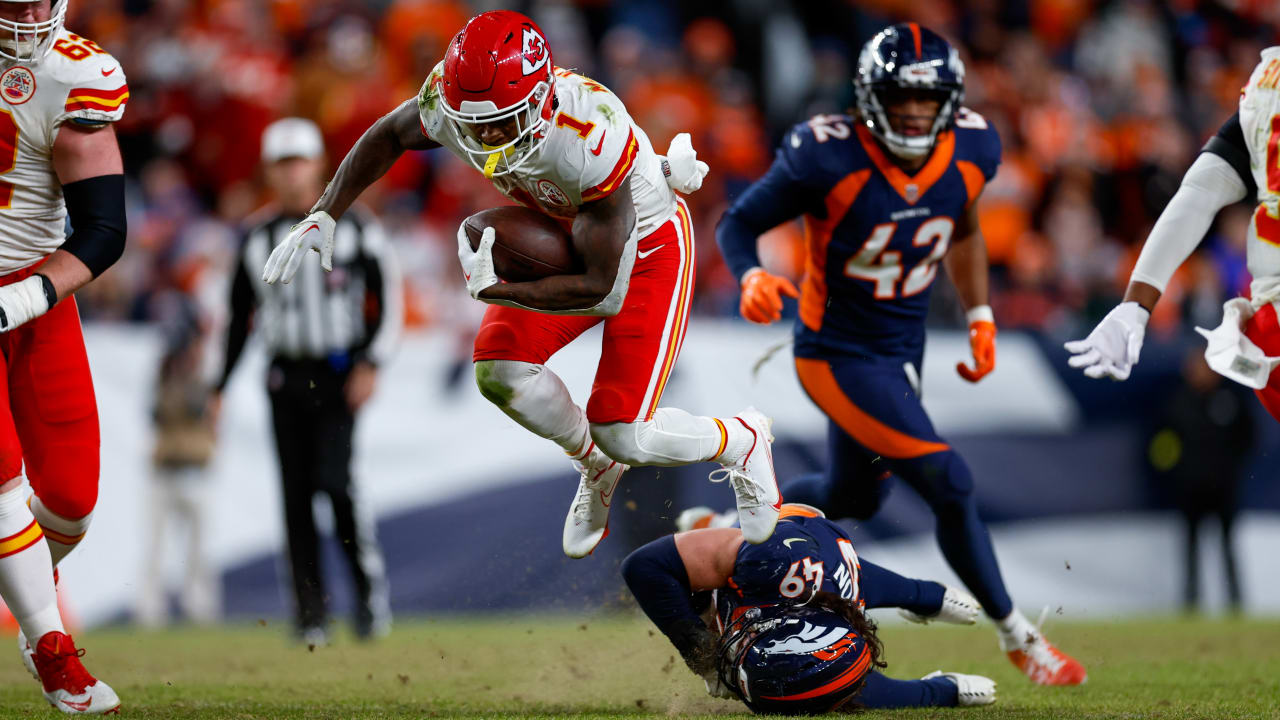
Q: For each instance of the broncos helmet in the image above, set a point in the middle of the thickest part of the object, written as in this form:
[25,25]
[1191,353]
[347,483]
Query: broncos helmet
[793,660]
[907,57]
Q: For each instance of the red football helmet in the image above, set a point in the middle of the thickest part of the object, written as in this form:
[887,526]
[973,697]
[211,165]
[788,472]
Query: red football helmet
[499,68]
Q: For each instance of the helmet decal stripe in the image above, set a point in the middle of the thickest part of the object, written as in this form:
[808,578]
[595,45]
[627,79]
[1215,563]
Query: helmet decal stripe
[842,681]
[915,34]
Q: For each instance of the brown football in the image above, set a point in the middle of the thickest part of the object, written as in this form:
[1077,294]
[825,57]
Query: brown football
[527,245]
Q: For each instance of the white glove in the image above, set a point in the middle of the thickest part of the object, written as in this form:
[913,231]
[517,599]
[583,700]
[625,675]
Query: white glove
[477,265]
[1112,349]
[683,169]
[313,233]
[715,688]
[21,302]
[1231,354]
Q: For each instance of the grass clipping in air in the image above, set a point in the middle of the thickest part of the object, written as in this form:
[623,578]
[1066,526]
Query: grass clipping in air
[619,667]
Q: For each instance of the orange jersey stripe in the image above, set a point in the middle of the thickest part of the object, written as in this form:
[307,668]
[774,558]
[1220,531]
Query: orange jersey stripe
[973,179]
[817,236]
[677,326]
[820,383]
[619,172]
[21,540]
[924,179]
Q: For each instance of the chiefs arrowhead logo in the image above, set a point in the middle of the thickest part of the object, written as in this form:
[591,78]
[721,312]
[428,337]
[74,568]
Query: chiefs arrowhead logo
[535,51]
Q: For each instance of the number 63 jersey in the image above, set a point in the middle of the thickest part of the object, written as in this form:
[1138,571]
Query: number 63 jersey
[78,82]
[874,234]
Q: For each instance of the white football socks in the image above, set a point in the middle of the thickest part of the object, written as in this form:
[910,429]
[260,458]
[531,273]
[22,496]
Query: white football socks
[61,534]
[1016,631]
[26,570]
[673,437]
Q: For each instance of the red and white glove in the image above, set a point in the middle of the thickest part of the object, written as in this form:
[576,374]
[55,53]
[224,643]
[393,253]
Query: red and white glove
[982,342]
[313,233]
[762,296]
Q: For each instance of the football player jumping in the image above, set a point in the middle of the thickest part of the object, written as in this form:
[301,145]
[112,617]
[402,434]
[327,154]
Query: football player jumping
[564,145]
[59,95]
[1241,161]
[789,632]
[887,194]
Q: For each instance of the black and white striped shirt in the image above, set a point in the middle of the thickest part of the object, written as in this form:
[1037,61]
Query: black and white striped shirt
[353,313]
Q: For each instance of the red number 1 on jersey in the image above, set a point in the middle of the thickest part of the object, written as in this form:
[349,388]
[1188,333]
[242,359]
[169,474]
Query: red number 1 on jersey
[8,155]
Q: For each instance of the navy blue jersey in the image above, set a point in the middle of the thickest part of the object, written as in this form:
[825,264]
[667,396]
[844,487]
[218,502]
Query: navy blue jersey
[803,553]
[874,234]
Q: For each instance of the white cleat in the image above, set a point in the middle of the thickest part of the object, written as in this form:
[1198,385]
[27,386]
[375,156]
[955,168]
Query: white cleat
[588,520]
[67,685]
[697,518]
[28,655]
[958,608]
[974,689]
[754,484]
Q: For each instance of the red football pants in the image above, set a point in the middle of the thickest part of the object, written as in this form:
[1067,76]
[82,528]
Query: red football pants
[1264,330]
[48,414]
[641,343]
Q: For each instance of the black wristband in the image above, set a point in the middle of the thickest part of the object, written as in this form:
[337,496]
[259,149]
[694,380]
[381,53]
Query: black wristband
[50,292]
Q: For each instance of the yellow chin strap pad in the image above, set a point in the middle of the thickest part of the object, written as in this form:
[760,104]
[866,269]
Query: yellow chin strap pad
[491,164]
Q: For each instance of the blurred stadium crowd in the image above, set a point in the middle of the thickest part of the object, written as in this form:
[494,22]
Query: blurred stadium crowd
[1101,106]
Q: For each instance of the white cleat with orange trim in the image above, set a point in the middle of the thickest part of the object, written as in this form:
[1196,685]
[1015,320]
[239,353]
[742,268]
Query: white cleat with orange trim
[588,520]
[1040,661]
[698,518]
[67,685]
[754,484]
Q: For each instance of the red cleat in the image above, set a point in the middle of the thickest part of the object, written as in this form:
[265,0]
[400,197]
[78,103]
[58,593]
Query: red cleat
[67,685]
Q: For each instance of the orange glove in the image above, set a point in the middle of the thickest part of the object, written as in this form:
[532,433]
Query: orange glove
[982,341]
[762,296]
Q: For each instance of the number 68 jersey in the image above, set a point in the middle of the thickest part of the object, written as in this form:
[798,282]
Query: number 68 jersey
[76,82]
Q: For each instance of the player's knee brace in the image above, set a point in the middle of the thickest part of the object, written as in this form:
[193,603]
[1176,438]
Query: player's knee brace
[501,380]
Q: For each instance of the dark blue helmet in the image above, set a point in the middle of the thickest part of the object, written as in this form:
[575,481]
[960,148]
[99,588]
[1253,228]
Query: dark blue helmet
[907,57]
[788,660]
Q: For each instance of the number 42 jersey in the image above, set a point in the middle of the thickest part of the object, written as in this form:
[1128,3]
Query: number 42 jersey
[874,233]
[77,81]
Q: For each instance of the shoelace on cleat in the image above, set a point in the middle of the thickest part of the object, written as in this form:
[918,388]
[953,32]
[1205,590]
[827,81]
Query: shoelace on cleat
[581,508]
[747,491]
[67,669]
[1040,651]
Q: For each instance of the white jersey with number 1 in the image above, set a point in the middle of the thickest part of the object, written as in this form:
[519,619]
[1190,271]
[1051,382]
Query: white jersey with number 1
[591,147]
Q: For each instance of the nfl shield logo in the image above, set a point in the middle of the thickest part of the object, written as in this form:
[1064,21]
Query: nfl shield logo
[913,192]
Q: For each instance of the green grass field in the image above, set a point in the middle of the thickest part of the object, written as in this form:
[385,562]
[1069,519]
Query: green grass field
[617,667]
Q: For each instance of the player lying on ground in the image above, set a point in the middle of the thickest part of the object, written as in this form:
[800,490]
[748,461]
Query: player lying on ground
[60,161]
[1241,162]
[887,194]
[788,631]
[564,145]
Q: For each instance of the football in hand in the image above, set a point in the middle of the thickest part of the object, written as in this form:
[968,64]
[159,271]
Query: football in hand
[527,245]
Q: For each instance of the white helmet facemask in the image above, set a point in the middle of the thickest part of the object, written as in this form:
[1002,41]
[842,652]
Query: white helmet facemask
[29,42]
[532,127]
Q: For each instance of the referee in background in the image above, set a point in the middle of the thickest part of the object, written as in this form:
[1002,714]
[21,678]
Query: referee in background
[326,335]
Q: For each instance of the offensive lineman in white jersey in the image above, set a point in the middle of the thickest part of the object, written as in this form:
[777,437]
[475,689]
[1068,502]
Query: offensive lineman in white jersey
[564,145]
[1241,161]
[59,95]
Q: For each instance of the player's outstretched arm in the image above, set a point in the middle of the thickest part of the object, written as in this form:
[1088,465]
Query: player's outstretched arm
[86,160]
[1112,349]
[968,268]
[603,235]
[369,159]
[665,574]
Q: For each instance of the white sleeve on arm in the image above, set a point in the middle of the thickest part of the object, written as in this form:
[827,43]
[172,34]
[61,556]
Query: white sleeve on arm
[1209,185]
